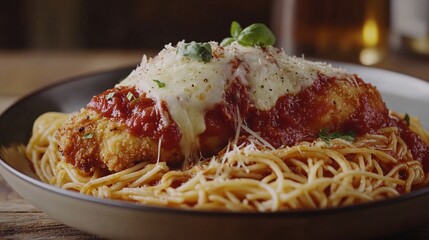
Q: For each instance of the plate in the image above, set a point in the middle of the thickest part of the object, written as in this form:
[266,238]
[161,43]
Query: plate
[123,220]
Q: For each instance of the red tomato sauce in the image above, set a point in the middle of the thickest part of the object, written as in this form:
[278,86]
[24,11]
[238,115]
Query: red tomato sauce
[418,148]
[138,113]
[294,117]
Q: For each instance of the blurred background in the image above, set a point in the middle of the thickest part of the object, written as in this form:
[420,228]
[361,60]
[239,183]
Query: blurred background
[43,41]
[114,24]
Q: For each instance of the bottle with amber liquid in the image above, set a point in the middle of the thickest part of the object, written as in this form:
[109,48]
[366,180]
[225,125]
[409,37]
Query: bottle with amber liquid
[355,31]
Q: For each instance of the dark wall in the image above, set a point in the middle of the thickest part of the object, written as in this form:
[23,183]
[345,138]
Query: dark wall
[12,24]
[52,24]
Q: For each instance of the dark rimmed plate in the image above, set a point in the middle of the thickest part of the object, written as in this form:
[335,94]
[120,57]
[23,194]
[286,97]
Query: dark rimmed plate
[123,220]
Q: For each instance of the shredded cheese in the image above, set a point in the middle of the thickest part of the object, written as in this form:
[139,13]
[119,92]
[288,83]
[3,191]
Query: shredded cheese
[191,87]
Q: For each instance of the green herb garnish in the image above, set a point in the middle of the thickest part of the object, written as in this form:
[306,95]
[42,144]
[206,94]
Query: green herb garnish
[130,96]
[257,34]
[226,41]
[88,135]
[235,29]
[326,136]
[199,51]
[110,95]
[159,83]
[407,119]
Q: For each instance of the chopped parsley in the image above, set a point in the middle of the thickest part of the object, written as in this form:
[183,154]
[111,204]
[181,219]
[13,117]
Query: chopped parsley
[130,96]
[326,136]
[407,119]
[110,95]
[159,83]
[88,135]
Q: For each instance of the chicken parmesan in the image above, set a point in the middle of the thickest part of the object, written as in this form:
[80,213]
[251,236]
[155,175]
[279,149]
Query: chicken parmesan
[236,125]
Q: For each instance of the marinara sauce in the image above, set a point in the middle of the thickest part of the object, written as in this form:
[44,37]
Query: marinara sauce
[138,113]
[294,117]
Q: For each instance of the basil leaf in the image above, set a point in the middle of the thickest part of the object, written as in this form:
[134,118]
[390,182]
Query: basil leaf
[199,51]
[407,119]
[235,29]
[326,136]
[256,34]
[159,83]
[226,41]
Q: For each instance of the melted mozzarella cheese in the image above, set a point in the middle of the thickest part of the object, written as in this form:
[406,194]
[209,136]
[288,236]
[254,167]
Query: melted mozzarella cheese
[193,87]
[270,74]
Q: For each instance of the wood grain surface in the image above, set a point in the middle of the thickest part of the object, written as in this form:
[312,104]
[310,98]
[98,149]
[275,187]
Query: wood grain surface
[23,72]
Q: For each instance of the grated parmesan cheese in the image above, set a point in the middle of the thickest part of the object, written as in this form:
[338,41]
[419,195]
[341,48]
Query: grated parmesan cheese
[193,87]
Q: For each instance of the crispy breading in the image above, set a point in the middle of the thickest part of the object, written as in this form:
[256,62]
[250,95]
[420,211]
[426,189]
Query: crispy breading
[89,141]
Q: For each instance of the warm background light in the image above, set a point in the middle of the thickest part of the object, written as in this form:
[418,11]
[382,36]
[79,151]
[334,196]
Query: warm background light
[352,31]
[370,55]
[370,34]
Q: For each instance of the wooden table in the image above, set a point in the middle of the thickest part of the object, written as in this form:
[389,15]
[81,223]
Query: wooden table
[23,72]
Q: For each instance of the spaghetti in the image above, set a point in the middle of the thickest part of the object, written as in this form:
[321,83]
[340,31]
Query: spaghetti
[248,175]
